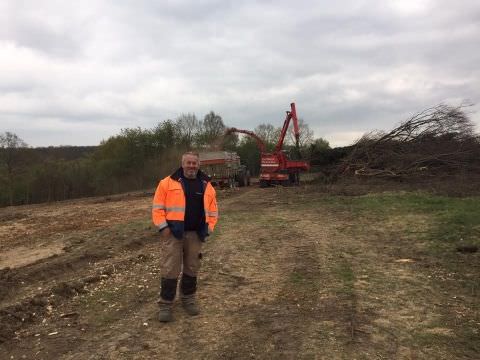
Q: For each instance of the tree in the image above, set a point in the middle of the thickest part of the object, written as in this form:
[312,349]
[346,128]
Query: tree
[318,152]
[164,135]
[250,154]
[269,134]
[120,161]
[321,144]
[187,127]
[306,134]
[230,142]
[10,159]
[212,129]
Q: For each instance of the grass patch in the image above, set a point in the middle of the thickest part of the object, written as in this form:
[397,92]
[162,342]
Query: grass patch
[451,220]
[134,225]
[347,277]
[297,278]
[439,222]
[303,281]
[464,342]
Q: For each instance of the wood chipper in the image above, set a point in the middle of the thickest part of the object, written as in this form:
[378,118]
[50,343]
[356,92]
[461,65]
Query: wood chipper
[276,167]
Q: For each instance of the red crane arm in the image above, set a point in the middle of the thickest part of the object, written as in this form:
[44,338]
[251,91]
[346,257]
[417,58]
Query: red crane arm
[295,124]
[290,115]
[260,143]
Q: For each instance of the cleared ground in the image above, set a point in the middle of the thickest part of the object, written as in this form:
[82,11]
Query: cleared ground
[291,273]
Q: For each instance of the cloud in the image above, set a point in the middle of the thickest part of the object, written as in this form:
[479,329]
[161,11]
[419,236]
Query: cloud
[98,66]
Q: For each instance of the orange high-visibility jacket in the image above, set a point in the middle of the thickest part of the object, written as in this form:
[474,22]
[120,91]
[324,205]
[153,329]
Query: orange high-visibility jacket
[169,204]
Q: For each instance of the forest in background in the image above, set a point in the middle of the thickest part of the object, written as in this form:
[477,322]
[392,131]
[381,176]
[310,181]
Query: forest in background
[438,144]
[132,160]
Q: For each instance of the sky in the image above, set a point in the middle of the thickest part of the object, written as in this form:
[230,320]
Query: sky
[77,72]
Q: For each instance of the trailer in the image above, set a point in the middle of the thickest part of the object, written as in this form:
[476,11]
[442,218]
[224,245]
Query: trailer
[224,168]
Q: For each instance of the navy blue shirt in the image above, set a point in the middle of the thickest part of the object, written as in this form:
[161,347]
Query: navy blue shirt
[194,210]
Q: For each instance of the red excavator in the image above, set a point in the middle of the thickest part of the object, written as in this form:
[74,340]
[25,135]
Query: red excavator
[276,167]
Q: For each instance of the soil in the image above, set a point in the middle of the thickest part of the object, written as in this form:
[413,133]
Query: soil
[283,277]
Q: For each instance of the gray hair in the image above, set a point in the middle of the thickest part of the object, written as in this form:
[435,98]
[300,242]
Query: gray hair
[192,153]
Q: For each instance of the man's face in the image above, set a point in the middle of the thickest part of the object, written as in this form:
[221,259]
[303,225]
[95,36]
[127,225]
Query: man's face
[190,165]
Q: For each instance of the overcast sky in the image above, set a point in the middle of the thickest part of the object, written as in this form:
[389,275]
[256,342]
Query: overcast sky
[76,72]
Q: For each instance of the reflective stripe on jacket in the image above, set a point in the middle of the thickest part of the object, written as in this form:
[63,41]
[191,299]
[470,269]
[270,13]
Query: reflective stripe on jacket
[169,204]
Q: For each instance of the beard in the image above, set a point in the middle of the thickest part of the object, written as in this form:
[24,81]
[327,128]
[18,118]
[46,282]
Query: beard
[190,173]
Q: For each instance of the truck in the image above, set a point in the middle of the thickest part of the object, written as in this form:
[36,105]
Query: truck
[276,168]
[224,168]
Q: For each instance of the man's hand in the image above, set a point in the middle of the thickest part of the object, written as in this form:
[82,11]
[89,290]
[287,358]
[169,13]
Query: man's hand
[165,233]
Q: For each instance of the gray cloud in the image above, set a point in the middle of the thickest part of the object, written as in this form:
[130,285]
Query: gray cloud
[95,67]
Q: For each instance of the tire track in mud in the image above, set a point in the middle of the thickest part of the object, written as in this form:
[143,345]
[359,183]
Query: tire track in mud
[76,259]
[277,326]
[310,315]
[87,324]
[347,313]
[64,278]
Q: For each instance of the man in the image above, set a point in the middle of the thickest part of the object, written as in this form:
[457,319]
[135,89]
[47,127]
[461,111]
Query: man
[185,212]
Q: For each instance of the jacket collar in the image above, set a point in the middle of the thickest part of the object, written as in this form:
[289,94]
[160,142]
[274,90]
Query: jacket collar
[179,174]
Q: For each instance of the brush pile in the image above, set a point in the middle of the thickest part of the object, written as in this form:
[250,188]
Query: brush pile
[437,141]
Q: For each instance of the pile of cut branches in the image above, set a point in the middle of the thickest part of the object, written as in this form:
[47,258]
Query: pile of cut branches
[438,140]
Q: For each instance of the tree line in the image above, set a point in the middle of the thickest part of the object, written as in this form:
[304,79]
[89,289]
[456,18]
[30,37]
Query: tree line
[134,159]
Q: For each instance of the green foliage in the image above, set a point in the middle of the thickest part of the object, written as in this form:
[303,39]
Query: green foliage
[134,159]
[250,154]
[320,153]
[164,136]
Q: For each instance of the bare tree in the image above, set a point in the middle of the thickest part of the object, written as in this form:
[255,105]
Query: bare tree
[188,128]
[10,144]
[306,134]
[212,128]
[268,133]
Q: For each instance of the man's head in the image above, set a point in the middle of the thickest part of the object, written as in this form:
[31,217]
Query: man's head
[190,164]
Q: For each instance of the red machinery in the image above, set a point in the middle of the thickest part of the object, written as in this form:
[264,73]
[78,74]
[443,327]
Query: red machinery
[275,167]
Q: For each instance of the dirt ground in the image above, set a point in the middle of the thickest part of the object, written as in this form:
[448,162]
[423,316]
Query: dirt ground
[283,277]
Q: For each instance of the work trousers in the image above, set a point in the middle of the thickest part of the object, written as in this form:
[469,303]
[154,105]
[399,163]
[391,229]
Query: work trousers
[180,256]
[178,252]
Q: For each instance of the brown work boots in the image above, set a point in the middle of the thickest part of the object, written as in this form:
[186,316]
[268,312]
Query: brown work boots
[165,312]
[188,303]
